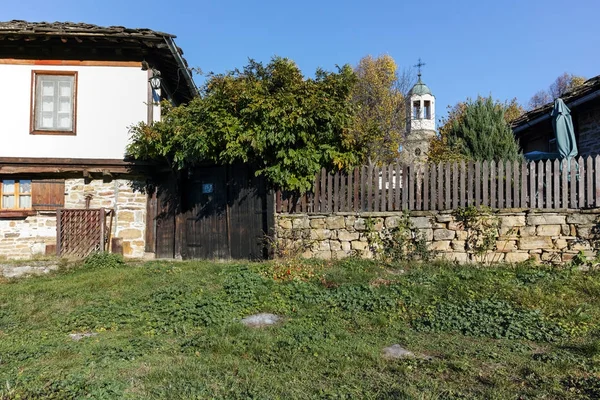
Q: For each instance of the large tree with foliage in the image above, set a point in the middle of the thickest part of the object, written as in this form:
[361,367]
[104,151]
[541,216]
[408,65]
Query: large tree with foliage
[442,148]
[477,130]
[561,85]
[270,116]
[378,98]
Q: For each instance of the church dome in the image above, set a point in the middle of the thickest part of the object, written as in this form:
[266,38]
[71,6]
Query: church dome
[419,89]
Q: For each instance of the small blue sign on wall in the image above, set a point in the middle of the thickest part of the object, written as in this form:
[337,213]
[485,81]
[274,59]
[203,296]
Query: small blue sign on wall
[207,188]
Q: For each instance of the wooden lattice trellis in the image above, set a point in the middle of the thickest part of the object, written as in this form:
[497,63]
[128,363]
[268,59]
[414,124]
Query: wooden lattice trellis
[80,231]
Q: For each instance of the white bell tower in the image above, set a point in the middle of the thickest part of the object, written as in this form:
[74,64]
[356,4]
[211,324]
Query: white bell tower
[420,121]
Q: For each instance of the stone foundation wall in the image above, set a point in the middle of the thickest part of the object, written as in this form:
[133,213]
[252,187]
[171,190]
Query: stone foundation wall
[520,234]
[23,238]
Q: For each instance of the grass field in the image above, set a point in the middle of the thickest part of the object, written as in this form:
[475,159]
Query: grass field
[171,331]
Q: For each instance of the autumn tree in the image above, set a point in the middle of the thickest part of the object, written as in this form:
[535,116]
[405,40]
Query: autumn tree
[442,148]
[270,116]
[558,88]
[378,99]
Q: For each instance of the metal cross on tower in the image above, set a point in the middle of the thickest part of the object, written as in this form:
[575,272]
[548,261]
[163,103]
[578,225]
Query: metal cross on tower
[419,65]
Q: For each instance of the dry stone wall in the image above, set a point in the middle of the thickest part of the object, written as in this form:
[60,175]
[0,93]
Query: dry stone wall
[23,238]
[519,235]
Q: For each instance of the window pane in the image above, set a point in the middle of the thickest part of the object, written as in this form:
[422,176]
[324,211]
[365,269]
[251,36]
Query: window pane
[47,88]
[8,187]
[64,105]
[64,122]
[48,104]
[65,89]
[8,201]
[25,201]
[24,186]
[47,121]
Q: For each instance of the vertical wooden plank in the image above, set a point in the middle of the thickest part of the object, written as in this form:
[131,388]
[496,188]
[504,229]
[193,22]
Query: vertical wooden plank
[462,188]
[581,183]
[477,184]
[342,194]
[597,180]
[397,189]
[493,173]
[508,177]
[58,231]
[405,187]
[532,185]
[390,190]
[383,188]
[336,191]
[349,191]
[455,200]
[411,187]
[484,183]
[434,180]
[329,192]
[573,182]
[364,191]
[564,183]
[357,181]
[512,182]
[470,184]
[370,188]
[589,198]
[426,186]
[524,176]
[440,188]
[548,184]
[556,184]
[278,201]
[502,178]
[418,189]
[447,189]
[375,186]
[323,193]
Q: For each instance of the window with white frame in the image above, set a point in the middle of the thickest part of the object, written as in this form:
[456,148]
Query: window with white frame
[54,102]
[15,194]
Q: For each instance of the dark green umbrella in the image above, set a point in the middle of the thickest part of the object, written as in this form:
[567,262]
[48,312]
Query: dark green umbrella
[563,130]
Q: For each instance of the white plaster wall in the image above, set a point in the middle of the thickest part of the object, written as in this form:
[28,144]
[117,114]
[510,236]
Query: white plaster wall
[109,100]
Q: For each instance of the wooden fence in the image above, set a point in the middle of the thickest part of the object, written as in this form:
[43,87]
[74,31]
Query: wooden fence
[550,184]
[80,232]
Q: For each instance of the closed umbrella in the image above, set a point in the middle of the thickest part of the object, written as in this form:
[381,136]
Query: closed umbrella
[563,130]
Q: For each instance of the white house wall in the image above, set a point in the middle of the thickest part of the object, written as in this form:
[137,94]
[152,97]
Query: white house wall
[109,100]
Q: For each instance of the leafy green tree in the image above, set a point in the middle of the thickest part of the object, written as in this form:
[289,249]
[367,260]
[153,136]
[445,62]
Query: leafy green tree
[270,116]
[378,98]
[444,149]
[477,130]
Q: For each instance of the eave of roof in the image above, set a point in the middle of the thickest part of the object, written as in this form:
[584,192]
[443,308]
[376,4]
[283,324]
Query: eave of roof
[580,92]
[135,43]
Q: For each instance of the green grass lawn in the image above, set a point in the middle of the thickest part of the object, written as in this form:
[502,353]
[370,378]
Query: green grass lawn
[172,331]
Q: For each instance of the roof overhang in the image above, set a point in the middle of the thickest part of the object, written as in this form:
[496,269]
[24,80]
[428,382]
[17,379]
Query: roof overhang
[78,41]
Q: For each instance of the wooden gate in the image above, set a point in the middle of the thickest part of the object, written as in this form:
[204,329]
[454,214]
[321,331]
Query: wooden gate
[80,232]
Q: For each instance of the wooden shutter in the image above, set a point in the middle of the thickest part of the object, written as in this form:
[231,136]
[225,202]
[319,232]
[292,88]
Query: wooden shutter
[47,194]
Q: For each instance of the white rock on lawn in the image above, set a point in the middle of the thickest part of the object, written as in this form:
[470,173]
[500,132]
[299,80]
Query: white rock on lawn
[260,320]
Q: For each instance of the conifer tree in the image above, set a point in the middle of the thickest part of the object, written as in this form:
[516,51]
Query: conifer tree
[483,133]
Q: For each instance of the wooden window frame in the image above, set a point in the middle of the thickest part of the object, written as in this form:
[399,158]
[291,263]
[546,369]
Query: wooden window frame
[32,130]
[17,193]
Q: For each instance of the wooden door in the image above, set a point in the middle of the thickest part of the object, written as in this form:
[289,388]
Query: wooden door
[205,234]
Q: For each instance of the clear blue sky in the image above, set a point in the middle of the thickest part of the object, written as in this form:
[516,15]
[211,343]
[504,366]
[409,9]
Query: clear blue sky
[508,48]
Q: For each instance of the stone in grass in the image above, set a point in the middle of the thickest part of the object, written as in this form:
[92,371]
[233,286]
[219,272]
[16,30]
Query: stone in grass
[78,336]
[396,351]
[260,320]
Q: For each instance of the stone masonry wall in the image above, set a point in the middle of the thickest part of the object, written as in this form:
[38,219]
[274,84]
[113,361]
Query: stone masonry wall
[129,222]
[521,234]
[23,238]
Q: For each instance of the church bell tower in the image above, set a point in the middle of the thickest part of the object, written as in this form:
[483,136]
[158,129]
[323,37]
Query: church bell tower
[420,121]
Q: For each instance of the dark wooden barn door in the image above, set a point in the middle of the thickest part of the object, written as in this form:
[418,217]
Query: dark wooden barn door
[247,214]
[205,233]
[164,227]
